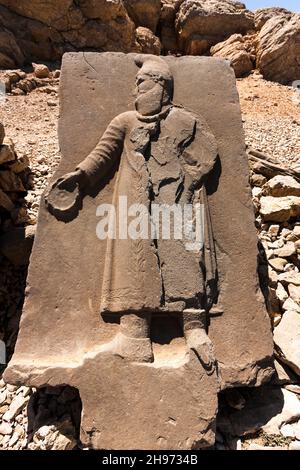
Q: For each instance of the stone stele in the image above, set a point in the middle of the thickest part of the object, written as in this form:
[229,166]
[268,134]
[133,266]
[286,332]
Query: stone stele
[148,329]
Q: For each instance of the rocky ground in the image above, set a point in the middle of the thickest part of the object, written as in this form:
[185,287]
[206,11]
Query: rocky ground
[49,419]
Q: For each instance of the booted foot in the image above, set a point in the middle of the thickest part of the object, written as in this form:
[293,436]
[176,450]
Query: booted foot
[134,349]
[198,341]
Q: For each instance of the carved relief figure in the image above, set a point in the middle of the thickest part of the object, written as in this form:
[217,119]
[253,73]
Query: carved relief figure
[164,155]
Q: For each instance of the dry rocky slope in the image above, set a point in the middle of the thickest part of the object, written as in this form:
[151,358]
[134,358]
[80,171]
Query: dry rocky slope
[29,154]
[42,31]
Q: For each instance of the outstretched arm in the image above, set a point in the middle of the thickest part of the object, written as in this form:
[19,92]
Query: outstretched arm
[64,195]
[108,150]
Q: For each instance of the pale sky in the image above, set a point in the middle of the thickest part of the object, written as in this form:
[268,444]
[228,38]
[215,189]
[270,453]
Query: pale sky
[292,5]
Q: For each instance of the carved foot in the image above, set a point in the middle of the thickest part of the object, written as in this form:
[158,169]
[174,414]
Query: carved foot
[134,349]
[199,342]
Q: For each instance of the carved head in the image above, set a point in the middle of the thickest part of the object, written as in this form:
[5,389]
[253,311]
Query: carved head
[154,83]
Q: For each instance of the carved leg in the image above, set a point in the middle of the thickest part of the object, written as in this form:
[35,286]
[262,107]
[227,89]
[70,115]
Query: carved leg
[133,341]
[194,327]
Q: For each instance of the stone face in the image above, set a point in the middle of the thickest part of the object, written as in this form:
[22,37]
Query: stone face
[182,389]
[234,49]
[287,338]
[279,209]
[282,186]
[279,49]
[201,24]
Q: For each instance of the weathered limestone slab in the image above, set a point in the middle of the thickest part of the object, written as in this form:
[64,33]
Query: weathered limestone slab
[63,338]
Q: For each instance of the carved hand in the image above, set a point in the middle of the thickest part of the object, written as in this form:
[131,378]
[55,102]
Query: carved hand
[70,180]
[64,195]
[198,341]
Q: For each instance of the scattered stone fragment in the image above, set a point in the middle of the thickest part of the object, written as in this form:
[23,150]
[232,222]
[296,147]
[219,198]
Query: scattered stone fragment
[293,388]
[254,446]
[258,180]
[281,293]
[294,292]
[15,407]
[20,165]
[273,230]
[9,182]
[294,445]
[289,304]
[291,430]
[287,250]
[290,277]
[280,186]
[5,429]
[7,154]
[279,209]
[278,263]
[287,339]
[41,70]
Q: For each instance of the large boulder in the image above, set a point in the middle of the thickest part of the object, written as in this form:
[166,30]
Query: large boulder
[235,50]
[144,12]
[167,29]
[201,24]
[39,30]
[279,49]
[262,15]
[11,55]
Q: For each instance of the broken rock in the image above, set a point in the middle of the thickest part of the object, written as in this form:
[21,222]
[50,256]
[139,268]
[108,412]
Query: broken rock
[282,185]
[10,182]
[2,133]
[7,154]
[201,24]
[279,49]
[234,49]
[40,71]
[16,244]
[287,339]
[279,209]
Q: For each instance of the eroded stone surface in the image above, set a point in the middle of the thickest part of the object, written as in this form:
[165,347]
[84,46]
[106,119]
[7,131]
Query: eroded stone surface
[70,300]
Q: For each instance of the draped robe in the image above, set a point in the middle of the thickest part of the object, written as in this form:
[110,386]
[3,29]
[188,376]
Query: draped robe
[163,159]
